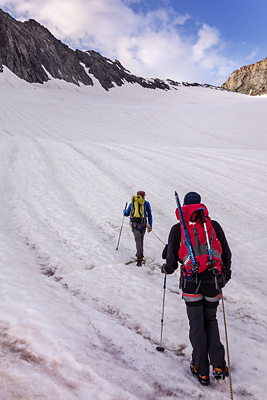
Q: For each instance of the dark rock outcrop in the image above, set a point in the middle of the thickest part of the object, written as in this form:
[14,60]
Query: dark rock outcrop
[109,72]
[250,79]
[29,50]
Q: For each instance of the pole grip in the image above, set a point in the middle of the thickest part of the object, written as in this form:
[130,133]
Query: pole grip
[202,215]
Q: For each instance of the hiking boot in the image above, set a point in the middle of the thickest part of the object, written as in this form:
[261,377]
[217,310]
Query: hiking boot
[141,260]
[220,373]
[139,264]
[203,379]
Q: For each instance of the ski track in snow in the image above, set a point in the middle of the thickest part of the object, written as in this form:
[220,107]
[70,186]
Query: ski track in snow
[76,322]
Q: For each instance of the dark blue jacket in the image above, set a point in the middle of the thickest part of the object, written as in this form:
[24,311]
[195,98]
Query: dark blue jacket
[147,210]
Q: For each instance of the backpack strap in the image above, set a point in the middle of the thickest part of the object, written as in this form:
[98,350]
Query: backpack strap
[213,299]
[189,297]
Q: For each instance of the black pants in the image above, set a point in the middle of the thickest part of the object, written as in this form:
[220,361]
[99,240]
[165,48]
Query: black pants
[203,326]
[139,241]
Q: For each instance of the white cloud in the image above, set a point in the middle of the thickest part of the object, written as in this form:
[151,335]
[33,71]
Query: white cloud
[208,37]
[253,54]
[148,44]
[180,20]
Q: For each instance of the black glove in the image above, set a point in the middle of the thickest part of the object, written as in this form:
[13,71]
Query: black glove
[164,252]
[163,269]
[228,275]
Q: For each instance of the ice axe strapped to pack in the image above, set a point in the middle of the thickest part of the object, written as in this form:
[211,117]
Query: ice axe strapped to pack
[214,263]
[203,220]
[187,238]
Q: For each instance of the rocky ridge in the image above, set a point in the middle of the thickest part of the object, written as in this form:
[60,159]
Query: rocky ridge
[31,52]
[250,79]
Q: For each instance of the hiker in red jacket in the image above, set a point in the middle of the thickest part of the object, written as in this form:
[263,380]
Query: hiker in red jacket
[201,290]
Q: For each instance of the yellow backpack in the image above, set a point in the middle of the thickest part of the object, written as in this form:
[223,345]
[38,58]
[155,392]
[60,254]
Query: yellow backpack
[137,209]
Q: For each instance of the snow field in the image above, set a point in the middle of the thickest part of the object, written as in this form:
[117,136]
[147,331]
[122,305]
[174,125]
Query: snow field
[76,322]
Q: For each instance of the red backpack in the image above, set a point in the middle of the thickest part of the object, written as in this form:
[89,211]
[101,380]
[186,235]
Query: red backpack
[198,241]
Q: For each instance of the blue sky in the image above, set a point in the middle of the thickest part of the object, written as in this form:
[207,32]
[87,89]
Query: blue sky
[185,40]
[242,24]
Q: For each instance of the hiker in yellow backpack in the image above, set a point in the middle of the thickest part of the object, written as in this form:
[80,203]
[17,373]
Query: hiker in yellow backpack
[140,214]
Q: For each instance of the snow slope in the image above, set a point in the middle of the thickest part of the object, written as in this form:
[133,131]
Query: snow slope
[76,322]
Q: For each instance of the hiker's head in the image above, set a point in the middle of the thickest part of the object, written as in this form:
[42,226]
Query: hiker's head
[141,193]
[192,198]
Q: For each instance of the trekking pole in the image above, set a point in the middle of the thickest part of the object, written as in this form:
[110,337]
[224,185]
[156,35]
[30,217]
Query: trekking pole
[224,318]
[227,350]
[160,347]
[117,248]
[148,226]
[158,238]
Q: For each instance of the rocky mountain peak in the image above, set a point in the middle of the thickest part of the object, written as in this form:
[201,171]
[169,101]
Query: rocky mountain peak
[30,51]
[250,79]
